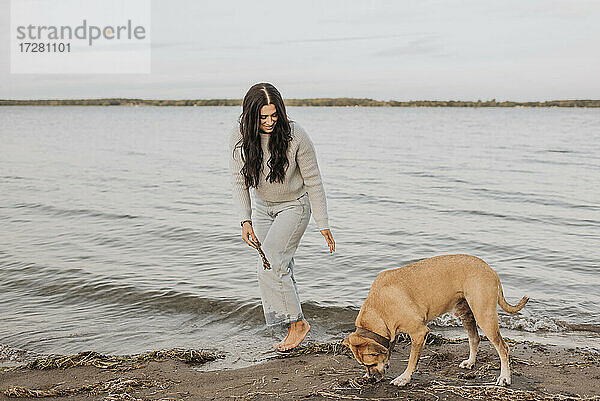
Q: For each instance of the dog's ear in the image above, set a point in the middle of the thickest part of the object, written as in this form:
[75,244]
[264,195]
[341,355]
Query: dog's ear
[355,340]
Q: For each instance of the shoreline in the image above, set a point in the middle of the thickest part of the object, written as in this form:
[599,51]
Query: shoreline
[314,372]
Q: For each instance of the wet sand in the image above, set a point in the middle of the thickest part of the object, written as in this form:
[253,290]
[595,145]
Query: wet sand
[538,372]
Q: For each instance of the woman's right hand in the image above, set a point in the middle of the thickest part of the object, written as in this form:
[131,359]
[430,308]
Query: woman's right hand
[248,235]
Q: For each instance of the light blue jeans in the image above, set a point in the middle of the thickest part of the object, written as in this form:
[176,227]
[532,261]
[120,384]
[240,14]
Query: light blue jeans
[279,226]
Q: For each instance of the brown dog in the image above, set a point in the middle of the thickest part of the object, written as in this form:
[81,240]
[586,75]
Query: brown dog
[403,300]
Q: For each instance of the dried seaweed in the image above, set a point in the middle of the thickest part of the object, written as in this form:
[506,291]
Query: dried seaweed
[117,389]
[476,392]
[497,393]
[436,389]
[432,339]
[117,362]
[338,396]
[318,348]
[589,359]
[337,348]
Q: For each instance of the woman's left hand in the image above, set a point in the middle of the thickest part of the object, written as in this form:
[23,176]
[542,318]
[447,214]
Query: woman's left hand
[329,238]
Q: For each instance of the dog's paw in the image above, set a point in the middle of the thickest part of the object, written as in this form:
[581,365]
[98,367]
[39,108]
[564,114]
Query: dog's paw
[503,381]
[401,380]
[466,364]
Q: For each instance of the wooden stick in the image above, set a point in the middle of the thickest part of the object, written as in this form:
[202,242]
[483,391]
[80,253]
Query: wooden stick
[266,264]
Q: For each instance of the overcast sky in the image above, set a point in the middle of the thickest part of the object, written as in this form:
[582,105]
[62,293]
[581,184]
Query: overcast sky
[402,50]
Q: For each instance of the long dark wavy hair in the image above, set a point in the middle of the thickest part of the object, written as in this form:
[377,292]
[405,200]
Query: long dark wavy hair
[260,95]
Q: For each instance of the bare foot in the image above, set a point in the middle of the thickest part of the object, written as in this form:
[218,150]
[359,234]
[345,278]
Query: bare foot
[296,334]
[280,343]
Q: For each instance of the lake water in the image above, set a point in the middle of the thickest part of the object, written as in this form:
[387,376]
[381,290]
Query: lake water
[118,232]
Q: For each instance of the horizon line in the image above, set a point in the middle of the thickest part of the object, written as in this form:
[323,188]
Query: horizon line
[307,98]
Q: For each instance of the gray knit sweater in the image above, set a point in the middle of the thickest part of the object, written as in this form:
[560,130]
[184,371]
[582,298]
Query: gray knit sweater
[302,175]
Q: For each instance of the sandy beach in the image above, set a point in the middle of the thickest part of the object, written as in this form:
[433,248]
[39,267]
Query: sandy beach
[313,372]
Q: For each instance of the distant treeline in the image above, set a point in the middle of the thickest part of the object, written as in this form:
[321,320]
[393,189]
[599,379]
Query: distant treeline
[340,101]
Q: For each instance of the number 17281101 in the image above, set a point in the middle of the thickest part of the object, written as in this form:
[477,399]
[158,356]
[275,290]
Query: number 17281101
[34,47]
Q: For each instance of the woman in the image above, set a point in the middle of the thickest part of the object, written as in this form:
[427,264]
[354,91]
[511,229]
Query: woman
[275,156]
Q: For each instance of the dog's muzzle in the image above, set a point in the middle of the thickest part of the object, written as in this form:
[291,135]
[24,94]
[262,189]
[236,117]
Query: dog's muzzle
[375,375]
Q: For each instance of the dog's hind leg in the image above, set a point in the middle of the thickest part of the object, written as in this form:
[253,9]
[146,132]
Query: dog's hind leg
[463,311]
[417,340]
[487,319]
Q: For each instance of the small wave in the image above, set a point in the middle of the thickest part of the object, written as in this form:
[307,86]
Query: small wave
[593,328]
[53,210]
[531,325]
[545,220]
[520,323]
[339,319]
[556,151]
[12,354]
[73,286]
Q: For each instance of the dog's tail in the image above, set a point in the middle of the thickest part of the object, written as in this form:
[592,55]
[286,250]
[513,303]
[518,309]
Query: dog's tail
[506,306]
